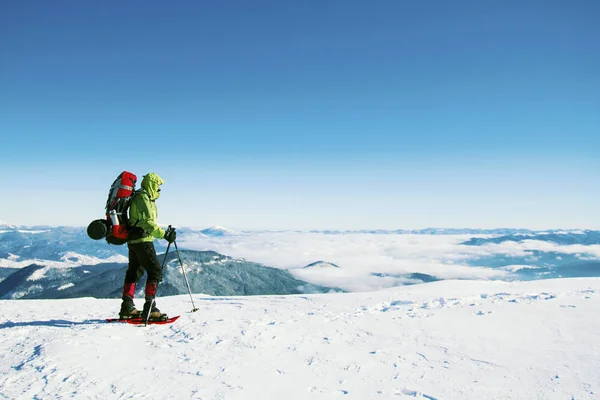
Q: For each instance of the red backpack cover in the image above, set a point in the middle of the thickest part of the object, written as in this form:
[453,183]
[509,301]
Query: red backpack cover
[119,196]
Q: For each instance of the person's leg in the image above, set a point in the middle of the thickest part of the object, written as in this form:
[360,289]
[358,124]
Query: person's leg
[150,262]
[132,276]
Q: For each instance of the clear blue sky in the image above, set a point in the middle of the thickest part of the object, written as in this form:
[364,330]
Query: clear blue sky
[304,114]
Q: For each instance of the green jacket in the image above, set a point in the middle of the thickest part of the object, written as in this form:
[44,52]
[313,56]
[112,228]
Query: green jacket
[142,209]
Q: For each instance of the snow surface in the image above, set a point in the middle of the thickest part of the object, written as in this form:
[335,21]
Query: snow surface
[442,340]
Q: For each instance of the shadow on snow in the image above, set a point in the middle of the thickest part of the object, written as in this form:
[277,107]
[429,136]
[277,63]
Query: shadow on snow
[54,323]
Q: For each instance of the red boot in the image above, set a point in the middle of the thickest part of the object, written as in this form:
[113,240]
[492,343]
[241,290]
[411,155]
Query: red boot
[151,312]
[128,309]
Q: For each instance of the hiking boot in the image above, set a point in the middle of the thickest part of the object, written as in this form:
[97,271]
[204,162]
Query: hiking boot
[129,311]
[152,313]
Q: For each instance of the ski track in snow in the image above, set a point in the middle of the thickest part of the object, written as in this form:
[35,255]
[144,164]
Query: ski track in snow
[444,340]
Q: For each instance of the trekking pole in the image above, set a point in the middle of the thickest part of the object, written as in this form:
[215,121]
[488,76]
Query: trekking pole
[164,261]
[149,311]
[194,309]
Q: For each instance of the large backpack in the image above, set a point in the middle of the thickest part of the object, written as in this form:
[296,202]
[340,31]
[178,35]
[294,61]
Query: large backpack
[115,228]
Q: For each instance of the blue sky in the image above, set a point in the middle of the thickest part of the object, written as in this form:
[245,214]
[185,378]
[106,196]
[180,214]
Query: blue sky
[305,115]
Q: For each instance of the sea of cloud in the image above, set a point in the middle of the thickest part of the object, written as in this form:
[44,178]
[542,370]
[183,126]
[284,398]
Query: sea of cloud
[360,255]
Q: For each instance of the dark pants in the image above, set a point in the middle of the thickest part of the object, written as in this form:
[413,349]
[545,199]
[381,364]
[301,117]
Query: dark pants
[142,257]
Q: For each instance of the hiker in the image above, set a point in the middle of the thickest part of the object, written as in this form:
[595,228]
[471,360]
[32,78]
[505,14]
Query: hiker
[142,254]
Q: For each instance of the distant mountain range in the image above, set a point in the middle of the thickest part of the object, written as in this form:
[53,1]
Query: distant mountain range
[429,231]
[586,238]
[222,231]
[208,273]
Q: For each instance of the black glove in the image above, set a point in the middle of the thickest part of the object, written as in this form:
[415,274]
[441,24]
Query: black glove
[170,235]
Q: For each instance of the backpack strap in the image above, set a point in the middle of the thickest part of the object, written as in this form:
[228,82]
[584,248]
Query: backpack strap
[140,191]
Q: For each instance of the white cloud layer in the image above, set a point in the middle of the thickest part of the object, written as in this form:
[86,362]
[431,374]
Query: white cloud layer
[359,255]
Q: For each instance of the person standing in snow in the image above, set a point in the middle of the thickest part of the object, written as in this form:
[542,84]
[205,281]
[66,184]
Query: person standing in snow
[142,254]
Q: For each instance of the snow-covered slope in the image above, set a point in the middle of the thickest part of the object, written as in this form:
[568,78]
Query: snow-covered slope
[443,340]
[68,259]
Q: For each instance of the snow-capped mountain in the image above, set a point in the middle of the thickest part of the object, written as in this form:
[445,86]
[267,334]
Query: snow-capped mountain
[321,264]
[217,231]
[8,226]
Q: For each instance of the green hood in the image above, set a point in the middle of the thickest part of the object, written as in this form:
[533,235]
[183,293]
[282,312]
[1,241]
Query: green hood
[151,184]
